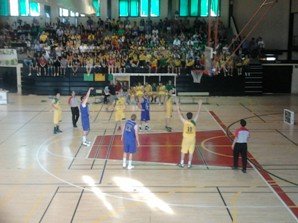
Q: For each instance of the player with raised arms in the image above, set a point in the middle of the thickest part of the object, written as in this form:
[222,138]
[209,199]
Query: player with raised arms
[189,134]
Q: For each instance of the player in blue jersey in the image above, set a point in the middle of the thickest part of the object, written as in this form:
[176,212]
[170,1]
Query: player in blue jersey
[130,139]
[85,117]
[144,105]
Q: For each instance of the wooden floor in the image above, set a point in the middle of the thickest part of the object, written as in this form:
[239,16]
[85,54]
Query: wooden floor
[53,178]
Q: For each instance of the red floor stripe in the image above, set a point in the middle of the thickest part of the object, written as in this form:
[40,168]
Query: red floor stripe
[292,206]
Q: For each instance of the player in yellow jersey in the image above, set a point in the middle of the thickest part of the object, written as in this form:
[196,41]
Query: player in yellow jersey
[131,93]
[161,93]
[189,135]
[139,91]
[168,110]
[148,89]
[57,113]
[120,110]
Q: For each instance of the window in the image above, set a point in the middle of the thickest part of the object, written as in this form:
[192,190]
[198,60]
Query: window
[19,8]
[14,7]
[34,9]
[183,8]
[67,13]
[4,8]
[24,7]
[199,7]
[96,5]
[134,7]
[204,8]
[215,8]
[74,14]
[123,6]
[47,11]
[63,12]
[143,8]
[154,8]
[194,8]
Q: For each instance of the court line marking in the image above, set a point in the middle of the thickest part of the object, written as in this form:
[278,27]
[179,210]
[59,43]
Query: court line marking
[87,157]
[112,138]
[73,159]
[202,157]
[38,113]
[134,199]
[274,192]
[49,204]
[209,112]
[262,177]
[286,137]
[137,200]
[77,205]
[98,147]
[37,203]
[214,137]
[97,114]
[224,202]
[252,112]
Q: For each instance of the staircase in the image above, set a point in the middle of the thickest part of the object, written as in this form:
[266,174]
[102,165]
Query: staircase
[253,79]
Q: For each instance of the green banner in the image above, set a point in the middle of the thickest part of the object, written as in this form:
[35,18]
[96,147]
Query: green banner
[88,77]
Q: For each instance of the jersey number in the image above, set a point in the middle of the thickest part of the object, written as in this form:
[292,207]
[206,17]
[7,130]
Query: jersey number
[189,130]
[128,128]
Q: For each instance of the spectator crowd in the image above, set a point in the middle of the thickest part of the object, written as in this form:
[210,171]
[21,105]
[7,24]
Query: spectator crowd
[122,45]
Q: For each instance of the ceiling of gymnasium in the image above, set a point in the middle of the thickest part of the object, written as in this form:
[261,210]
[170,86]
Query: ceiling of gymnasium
[81,6]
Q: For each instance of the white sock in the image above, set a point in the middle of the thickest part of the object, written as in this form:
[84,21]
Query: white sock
[124,161]
[130,163]
[84,138]
[189,163]
[182,162]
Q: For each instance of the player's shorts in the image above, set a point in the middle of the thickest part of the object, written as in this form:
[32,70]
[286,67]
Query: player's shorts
[145,116]
[161,93]
[130,146]
[188,145]
[85,125]
[119,116]
[169,113]
[57,116]
[112,98]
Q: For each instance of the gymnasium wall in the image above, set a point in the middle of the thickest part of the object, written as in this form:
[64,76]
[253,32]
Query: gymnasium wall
[273,29]
[164,12]
[295,80]
[294,7]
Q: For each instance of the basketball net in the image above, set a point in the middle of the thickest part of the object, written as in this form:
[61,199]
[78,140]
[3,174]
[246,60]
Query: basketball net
[197,75]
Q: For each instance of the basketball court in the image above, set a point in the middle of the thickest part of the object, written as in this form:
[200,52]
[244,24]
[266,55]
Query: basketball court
[53,178]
